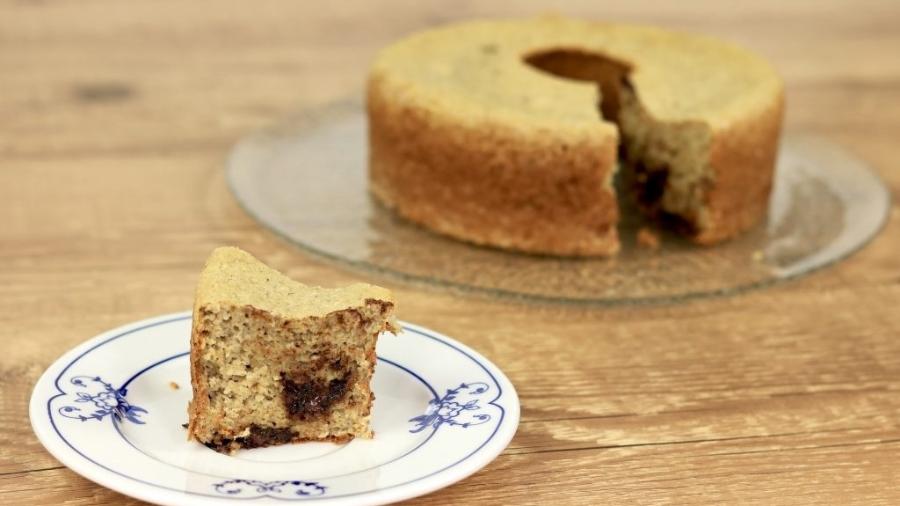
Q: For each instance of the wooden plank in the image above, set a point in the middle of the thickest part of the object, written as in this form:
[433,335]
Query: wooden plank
[114,122]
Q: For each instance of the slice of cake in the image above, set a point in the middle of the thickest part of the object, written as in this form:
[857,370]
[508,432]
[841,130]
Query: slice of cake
[274,361]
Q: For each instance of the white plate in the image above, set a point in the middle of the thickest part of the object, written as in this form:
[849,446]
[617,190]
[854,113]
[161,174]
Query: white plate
[108,410]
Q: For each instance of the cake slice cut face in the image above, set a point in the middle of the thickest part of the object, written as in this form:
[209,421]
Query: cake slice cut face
[274,361]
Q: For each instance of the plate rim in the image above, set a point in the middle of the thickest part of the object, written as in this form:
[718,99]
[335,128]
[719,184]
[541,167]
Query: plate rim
[59,447]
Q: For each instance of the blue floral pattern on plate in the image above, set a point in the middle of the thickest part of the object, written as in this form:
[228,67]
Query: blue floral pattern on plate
[276,489]
[454,408]
[105,401]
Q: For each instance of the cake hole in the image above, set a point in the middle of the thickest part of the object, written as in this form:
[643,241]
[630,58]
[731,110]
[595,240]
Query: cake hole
[609,73]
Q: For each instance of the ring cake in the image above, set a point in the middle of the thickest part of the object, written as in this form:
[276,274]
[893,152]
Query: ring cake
[509,133]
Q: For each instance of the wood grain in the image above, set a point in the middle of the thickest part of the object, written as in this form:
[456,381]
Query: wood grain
[114,121]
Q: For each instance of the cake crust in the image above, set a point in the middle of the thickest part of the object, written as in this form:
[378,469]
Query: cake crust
[495,184]
[743,159]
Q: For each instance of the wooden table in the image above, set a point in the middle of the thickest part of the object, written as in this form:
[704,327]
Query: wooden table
[115,118]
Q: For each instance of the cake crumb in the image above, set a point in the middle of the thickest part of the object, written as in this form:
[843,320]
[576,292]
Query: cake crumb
[758,256]
[647,238]
[174,385]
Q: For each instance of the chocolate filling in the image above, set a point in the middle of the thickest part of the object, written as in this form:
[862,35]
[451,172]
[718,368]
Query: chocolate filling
[651,186]
[312,397]
[258,437]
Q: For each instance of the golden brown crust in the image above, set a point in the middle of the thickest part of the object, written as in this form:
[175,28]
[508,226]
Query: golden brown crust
[200,401]
[743,160]
[493,185]
[385,309]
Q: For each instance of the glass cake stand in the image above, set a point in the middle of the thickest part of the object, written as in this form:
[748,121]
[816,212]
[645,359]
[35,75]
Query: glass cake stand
[306,180]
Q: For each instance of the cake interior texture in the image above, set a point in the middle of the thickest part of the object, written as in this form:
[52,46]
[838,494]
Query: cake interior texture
[274,361]
[666,164]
